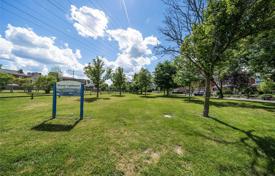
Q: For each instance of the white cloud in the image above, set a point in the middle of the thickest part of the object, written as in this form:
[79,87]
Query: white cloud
[134,49]
[27,50]
[89,22]
[26,37]
[5,49]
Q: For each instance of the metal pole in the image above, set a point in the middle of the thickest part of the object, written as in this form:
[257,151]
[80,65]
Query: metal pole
[54,102]
[81,100]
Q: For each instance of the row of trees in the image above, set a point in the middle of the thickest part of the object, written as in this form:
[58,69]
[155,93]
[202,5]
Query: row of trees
[141,81]
[177,73]
[98,74]
[41,83]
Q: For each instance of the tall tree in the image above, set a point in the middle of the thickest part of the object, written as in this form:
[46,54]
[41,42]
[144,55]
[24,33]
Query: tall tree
[163,76]
[119,79]
[136,84]
[225,23]
[144,79]
[95,73]
[186,73]
[46,83]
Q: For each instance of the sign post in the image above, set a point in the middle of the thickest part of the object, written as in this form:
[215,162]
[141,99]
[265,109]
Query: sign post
[54,102]
[81,100]
[68,88]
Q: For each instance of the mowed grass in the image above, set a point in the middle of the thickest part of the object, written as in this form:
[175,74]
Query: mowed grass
[130,135]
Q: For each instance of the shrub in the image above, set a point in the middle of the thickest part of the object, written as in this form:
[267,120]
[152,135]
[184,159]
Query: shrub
[266,97]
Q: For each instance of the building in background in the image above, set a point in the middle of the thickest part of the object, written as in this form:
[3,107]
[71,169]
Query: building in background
[34,75]
[15,73]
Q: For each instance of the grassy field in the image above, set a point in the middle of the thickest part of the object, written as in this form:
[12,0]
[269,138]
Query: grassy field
[135,135]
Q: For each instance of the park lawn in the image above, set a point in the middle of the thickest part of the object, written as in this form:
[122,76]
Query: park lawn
[135,135]
[17,93]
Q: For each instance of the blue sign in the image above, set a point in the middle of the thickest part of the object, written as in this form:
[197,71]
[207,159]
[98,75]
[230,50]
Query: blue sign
[68,88]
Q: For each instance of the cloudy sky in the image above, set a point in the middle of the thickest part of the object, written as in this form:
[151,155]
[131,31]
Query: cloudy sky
[38,35]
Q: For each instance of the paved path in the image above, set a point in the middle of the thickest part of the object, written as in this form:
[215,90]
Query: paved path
[245,99]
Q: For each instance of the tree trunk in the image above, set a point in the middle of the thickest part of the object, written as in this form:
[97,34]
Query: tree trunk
[167,92]
[120,91]
[207,97]
[221,91]
[189,87]
[145,91]
[220,88]
[47,91]
[97,91]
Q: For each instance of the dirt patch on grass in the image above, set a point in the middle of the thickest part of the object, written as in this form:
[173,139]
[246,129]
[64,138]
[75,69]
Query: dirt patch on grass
[178,150]
[27,169]
[69,161]
[132,163]
[128,164]
[152,156]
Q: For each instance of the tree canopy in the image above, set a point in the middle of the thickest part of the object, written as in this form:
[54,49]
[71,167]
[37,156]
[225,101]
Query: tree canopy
[144,79]
[5,79]
[95,72]
[224,23]
[119,79]
[163,76]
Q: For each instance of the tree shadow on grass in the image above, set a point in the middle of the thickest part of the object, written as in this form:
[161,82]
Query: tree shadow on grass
[46,126]
[243,104]
[162,96]
[262,147]
[118,95]
[93,99]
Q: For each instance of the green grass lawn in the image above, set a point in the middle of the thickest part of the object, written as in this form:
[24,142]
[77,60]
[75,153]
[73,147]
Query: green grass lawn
[134,135]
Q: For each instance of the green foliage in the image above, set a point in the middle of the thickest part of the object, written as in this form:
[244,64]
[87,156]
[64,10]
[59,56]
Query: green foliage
[135,85]
[95,72]
[25,83]
[256,53]
[267,86]
[5,79]
[225,23]
[260,53]
[144,79]
[164,74]
[119,79]
[54,75]
[45,83]
[104,87]
[186,72]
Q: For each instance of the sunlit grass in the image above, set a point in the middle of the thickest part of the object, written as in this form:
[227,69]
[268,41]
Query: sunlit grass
[134,135]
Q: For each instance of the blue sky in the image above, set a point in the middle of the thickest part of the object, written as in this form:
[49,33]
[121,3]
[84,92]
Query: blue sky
[39,35]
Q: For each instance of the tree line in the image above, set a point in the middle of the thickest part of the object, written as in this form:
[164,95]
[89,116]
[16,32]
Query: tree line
[214,41]
[27,84]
